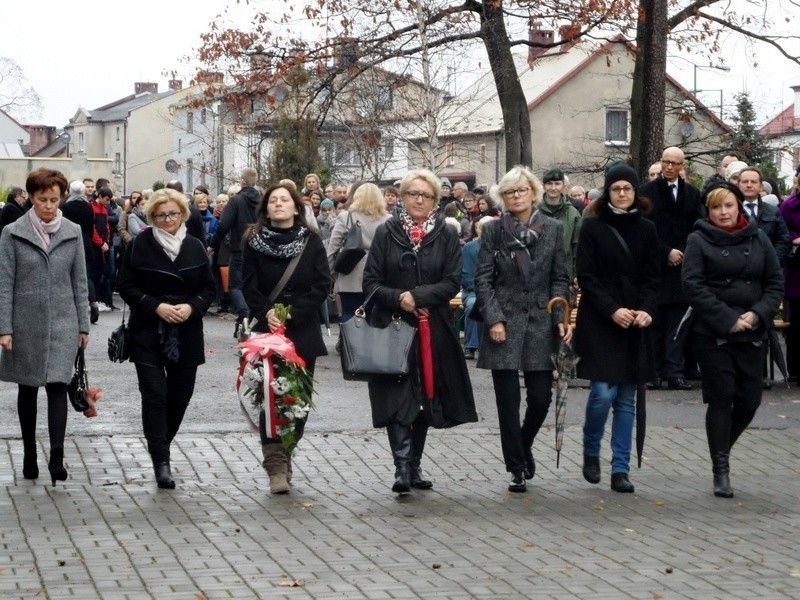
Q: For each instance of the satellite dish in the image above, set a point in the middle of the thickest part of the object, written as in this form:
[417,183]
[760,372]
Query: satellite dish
[64,138]
[687,128]
[171,166]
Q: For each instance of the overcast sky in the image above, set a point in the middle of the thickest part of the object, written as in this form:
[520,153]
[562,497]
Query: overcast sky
[89,53]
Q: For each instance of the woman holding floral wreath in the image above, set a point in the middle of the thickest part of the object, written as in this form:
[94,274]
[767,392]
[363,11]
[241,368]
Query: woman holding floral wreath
[280,239]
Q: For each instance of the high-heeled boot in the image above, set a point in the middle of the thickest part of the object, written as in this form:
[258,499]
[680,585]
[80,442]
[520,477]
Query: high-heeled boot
[56,465]
[30,467]
[719,436]
[400,443]
[277,466]
[26,409]
[416,476]
[164,475]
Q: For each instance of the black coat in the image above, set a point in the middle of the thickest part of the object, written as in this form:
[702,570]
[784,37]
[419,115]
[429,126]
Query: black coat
[674,222]
[727,274]
[770,221]
[12,211]
[239,214]
[147,278]
[78,210]
[611,279]
[434,277]
[305,291]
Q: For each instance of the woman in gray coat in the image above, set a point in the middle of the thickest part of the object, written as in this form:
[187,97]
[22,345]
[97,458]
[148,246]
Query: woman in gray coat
[45,316]
[521,265]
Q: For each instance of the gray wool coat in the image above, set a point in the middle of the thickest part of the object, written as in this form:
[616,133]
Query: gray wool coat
[44,303]
[503,295]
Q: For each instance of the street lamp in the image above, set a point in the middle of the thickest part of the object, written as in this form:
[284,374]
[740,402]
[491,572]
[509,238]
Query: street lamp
[719,67]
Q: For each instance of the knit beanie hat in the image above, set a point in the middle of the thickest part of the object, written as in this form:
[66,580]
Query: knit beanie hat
[735,167]
[621,172]
[554,174]
[326,202]
[446,183]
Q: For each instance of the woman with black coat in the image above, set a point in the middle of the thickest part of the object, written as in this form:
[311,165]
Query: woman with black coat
[414,268]
[166,280]
[16,205]
[733,279]
[618,274]
[280,235]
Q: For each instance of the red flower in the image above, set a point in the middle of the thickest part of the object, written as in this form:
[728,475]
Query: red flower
[289,400]
[281,421]
[93,395]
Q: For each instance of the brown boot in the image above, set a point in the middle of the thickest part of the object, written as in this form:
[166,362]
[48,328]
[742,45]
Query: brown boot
[277,467]
[288,466]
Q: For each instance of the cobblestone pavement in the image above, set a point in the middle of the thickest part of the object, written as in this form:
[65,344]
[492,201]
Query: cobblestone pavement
[108,532]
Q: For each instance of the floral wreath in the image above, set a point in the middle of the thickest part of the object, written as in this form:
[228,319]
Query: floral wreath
[275,379]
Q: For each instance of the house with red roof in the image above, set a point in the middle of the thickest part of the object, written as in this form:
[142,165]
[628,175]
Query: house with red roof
[782,133]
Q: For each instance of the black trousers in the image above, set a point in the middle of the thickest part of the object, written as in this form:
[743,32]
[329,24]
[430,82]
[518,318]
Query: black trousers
[166,392]
[300,424]
[669,353]
[792,310]
[732,388]
[515,439]
[56,414]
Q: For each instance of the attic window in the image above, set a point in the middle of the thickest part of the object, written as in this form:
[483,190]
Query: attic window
[617,130]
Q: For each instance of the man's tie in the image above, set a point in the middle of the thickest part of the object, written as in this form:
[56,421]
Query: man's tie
[673,189]
[751,207]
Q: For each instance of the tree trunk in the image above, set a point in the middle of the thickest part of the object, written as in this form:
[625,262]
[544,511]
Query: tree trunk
[516,119]
[649,85]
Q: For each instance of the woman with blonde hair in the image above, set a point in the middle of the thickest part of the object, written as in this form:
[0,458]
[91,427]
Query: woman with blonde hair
[166,280]
[367,211]
[521,265]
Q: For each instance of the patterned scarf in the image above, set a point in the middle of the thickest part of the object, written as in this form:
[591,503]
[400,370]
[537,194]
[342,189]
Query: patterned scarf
[45,231]
[416,231]
[280,243]
[520,239]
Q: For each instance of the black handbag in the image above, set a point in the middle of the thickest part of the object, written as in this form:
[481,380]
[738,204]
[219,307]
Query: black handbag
[118,342]
[369,351]
[352,250]
[77,386]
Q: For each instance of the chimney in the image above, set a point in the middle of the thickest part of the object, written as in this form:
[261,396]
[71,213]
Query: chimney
[209,77]
[175,85]
[537,35]
[796,89]
[346,53]
[143,86]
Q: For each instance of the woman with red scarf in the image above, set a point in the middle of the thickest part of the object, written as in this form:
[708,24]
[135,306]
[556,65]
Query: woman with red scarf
[734,281]
[414,270]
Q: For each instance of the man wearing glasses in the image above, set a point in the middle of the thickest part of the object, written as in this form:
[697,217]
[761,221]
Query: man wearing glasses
[676,207]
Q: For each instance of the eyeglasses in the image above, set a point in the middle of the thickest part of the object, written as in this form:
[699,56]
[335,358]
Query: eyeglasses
[172,216]
[621,189]
[414,194]
[511,193]
[671,163]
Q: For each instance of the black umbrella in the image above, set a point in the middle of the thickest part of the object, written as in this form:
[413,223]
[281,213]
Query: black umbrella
[777,354]
[641,394]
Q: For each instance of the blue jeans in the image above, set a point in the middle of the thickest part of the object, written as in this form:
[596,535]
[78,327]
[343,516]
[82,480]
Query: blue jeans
[472,329]
[603,396]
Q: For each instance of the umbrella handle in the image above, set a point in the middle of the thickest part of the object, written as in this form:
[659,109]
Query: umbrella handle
[567,308]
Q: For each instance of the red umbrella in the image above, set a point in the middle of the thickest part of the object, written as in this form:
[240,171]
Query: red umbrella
[426,353]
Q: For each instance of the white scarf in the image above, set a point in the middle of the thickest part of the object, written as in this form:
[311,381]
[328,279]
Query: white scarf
[170,243]
[45,231]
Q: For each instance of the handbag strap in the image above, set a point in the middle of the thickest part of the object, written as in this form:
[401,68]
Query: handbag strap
[287,273]
[124,306]
[367,300]
[621,241]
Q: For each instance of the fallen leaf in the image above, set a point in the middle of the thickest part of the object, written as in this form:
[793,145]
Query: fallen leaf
[794,571]
[659,503]
[627,529]
[668,569]
[61,563]
[597,507]
[307,505]
[437,566]
[291,583]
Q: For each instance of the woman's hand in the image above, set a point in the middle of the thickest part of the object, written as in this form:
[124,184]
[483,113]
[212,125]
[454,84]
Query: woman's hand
[497,333]
[566,332]
[642,319]
[174,313]
[624,317]
[750,318]
[407,302]
[741,325]
[5,342]
[274,322]
[83,340]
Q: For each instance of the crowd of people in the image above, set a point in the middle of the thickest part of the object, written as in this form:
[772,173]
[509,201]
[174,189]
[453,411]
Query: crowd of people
[672,283]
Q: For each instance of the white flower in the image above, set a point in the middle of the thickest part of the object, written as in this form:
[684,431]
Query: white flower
[280,385]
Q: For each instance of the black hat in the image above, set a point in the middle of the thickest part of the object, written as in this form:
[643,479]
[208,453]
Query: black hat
[554,174]
[734,189]
[621,172]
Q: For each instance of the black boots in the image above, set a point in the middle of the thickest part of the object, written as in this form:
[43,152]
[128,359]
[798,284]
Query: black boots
[164,476]
[400,443]
[517,483]
[418,435]
[721,470]
[591,468]
[530,465]
[621,483]
[30,468]
[56,465]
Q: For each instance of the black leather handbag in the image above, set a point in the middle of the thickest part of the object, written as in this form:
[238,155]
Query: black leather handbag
[118,342]
[369,351]
[352,250]
[77,386]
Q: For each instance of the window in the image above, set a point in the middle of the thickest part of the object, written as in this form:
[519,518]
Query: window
[180,145]
[617,126]
[448,154]
[203,115]
[117,133]
[81,148]
[388,147]
[483,153]
[190,122]
[189,174]
[118,162]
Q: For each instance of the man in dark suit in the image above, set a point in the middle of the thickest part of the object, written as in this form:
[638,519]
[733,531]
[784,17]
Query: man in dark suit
[676,207]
